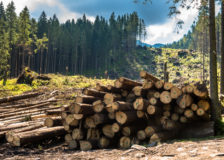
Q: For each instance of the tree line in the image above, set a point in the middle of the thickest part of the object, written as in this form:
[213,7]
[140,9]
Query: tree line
[75,47]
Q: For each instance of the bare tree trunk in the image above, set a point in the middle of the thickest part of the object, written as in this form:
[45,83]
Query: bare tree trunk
[40,61]
[216,107]
[45,66]
[23,60]
[222,50]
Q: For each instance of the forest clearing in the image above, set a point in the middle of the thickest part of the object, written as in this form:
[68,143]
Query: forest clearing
[92,80]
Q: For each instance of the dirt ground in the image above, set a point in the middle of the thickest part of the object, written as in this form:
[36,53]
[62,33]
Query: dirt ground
[190,150]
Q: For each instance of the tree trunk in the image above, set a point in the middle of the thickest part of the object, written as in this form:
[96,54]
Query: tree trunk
[37,135]
[19,97]
[216,107]
[222,49]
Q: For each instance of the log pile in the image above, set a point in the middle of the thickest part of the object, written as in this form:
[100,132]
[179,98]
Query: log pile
[113,116]
[23,121]
[132,112]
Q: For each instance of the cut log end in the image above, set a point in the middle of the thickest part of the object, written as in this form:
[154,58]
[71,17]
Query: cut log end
[68,138]
[49,122]
[149,131]
[98,108]
[85,145]
[194,107]
[140,114]
[147,84]
[167,86]
[72,144]
[141,135]
[189,113]
[121,117]
[107,131]
[184,101]
[200,111]
[126,131]
[159,84]
[125,142]
[204,104]
[165,97]
[77,134]
[151,110]
[115,127]
[104,142]
[175,92]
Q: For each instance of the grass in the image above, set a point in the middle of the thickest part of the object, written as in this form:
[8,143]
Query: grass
[57,81]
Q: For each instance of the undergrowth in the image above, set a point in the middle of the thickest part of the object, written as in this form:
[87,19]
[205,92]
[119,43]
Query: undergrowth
[57,81]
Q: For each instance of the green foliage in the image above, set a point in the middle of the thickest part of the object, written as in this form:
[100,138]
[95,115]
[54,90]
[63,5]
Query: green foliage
[179,67]
[11,23]
[57,82]
[24,28]
[42,25]
[4,47]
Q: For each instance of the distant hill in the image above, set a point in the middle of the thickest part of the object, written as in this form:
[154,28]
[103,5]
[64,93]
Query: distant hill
[157,45]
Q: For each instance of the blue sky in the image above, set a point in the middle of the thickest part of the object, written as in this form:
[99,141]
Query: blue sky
[160,28]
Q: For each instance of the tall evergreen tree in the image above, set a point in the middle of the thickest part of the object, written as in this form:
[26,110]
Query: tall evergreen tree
[4,47]
[42,25]
[2,11]
[24,40]
[12,33]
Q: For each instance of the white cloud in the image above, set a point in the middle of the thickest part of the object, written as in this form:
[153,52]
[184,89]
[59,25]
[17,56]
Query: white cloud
[62,12]
[166,33]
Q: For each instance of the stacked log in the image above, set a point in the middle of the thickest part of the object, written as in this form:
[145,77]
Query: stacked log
[133,112]
[23,122]
[119,115]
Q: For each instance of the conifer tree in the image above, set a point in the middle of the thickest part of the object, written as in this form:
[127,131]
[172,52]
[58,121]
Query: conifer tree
[4,47]
[11,24]
[24,39]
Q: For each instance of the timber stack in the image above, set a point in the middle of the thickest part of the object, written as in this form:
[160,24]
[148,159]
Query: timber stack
[131,112]
[30,118]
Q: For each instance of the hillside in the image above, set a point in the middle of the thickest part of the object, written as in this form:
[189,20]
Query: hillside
[184,66]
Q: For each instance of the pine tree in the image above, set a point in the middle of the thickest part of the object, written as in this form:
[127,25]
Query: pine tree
[24,39]
[12,34]
[2,11]
[42,25]
[4,47]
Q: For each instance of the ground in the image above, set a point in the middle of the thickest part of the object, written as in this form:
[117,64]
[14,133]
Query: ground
[210,149]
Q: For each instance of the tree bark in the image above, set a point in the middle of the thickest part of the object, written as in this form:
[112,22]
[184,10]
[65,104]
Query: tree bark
[19,97]
[37,135]
[216,107]
[222,49]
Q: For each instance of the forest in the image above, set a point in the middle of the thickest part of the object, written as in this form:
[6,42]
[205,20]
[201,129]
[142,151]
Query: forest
[74,47]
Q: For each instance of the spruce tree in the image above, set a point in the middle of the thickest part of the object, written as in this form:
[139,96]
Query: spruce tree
[24,39]
[12,34]
[4,47]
